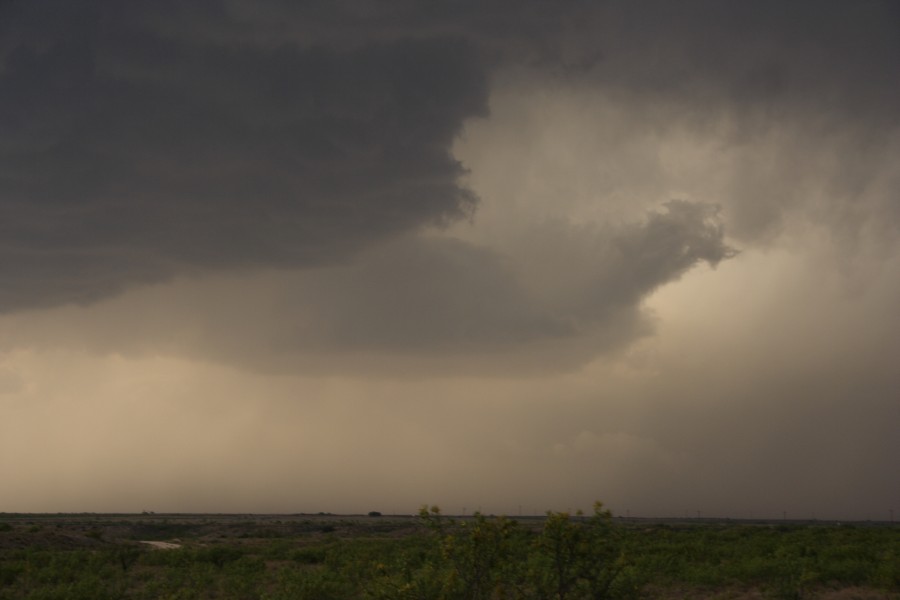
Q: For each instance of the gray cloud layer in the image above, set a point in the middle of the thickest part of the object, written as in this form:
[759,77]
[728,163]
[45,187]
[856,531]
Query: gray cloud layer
[411,306]
[144,140]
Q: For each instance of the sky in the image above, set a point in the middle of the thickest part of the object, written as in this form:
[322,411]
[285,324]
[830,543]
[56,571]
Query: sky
[266,256]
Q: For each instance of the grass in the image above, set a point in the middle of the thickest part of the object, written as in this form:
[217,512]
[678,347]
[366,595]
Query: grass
[296,557]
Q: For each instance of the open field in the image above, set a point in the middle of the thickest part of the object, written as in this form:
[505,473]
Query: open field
[277,557]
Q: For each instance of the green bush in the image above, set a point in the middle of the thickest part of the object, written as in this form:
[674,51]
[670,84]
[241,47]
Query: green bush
[310,555]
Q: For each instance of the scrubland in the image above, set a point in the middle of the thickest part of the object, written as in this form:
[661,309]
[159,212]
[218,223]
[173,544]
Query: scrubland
[431,556]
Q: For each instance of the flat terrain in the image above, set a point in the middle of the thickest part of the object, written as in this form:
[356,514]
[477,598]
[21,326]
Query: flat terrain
[325,556]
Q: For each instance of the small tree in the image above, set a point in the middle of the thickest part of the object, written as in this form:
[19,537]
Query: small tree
[480,558]
[578,558]
[572,558]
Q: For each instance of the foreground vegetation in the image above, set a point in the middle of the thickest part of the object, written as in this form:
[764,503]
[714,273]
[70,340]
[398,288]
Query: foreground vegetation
[560,556]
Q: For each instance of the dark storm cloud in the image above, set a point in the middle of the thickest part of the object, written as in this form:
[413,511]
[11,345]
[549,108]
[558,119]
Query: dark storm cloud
[129,155]
[142,140]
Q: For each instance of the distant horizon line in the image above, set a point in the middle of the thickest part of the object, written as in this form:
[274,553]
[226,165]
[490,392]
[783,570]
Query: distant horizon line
[464,515]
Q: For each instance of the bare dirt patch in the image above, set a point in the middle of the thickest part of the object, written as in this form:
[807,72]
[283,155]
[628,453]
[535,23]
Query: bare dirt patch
[161,545]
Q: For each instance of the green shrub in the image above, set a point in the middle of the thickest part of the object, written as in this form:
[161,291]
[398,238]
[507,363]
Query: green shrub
[310,555]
